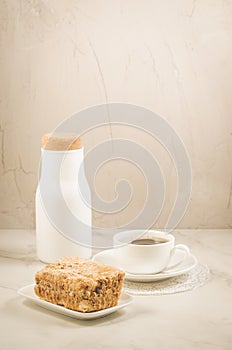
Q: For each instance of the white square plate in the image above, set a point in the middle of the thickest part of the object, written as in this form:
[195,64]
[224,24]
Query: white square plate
[28,292]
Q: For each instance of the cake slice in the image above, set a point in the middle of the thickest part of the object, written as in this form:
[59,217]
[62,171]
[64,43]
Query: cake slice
[79,284]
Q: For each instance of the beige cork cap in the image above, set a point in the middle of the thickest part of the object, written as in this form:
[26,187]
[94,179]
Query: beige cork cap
[61,141]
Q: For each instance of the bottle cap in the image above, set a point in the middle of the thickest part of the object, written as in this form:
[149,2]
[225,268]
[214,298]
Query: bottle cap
[61,141]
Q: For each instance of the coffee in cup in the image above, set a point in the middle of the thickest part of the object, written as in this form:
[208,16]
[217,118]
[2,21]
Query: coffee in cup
[149,241]
[149,252]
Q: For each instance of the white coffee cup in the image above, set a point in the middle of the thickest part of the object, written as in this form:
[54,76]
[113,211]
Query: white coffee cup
[151,258]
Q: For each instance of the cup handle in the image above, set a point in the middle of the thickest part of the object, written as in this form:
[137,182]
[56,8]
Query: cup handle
[182,247]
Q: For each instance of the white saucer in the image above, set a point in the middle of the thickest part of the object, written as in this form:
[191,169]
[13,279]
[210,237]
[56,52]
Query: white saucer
[109,257]
[28,292]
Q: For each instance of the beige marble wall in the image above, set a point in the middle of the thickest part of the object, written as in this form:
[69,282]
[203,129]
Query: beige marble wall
[173,57]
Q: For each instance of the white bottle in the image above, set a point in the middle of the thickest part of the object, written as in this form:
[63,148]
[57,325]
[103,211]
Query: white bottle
[63,211]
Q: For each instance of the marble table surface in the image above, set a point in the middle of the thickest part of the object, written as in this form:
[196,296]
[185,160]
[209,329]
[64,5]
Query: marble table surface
[198,319]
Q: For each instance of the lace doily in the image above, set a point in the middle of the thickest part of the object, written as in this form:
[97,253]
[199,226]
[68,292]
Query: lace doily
[188,281]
